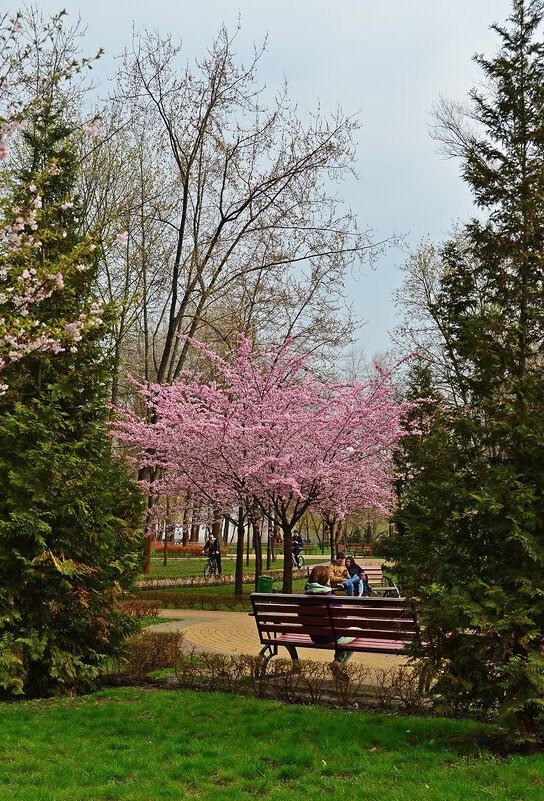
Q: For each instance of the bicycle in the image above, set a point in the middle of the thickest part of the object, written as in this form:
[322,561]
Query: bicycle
[210,568]
[300,560]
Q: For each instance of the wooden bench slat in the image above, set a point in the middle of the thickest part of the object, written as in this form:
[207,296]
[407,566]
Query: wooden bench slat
[275,619]
[378,634]
[270,601]
[366,645]
[360,631]
[293,628]
[375,625]
[370,613]
[337,620]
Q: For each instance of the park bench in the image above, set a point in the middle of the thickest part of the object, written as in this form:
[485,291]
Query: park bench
[379,625]
[380,584]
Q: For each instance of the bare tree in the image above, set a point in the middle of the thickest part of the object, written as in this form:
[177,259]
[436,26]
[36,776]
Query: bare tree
[425,327]
[253,236]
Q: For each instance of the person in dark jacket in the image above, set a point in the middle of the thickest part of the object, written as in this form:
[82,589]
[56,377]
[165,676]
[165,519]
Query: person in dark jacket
[356,582]
[298,545]
[214,550]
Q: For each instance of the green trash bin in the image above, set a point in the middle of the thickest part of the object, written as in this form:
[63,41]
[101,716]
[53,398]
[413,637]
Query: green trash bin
[264,584]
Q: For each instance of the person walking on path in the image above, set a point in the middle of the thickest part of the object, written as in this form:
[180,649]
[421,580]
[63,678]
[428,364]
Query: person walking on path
[214,551]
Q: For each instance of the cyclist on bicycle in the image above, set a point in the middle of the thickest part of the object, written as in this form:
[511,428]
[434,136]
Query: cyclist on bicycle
[214,551]
[298,545]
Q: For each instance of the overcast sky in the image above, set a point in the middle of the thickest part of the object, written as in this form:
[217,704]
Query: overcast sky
[387,60]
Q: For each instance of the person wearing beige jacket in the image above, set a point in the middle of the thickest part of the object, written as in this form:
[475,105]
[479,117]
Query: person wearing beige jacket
[337,570]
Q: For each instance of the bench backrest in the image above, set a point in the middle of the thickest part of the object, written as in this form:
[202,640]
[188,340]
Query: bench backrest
[375,575]
[332,617]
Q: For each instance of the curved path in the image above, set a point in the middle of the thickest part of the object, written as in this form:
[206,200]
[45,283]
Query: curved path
[236,633]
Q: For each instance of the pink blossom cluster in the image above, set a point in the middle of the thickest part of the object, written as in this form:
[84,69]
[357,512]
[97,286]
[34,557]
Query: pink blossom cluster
[267,433]
[93,130]
[27,280]
[27,277]
[7,129]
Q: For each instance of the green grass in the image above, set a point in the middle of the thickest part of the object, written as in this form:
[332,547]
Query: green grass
[154,621]
[178,567]
[132,745]
[226,589]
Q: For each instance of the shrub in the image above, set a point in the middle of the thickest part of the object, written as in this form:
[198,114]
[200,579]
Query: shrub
[185,600]
[140,609]
[173,549]
[399,686]
[348,681]
[149,651]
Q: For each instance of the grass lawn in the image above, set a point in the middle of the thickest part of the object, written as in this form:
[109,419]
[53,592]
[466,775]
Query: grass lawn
[136,745]
[227,589]
[183,566]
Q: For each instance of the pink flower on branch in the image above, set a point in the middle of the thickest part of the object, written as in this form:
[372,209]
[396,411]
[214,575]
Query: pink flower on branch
[93,130]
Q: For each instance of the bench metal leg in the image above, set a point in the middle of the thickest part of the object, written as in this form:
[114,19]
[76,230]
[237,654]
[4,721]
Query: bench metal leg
[273,651]
[292,651]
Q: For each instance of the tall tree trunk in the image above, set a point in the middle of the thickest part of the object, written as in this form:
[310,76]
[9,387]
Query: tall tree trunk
[195,528]
[239,576]
[269,551]
[257,545]
[248,547]
[167,530]
[147,540]
[287,557]
[216,528]
[275,536]
[339,532]
[333,541]
[186,520]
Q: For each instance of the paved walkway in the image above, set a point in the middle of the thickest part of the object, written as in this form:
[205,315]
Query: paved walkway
[236,633]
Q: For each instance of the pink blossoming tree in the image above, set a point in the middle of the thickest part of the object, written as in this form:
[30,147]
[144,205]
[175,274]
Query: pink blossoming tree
[267,433]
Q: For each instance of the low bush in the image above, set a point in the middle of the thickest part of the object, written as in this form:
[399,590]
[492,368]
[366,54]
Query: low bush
[186,600]
[350,682]
[140,609]
[172,549]
[149,651]
[299,681]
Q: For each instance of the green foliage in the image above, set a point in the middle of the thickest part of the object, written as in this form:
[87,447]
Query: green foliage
[68,512]
[470,539]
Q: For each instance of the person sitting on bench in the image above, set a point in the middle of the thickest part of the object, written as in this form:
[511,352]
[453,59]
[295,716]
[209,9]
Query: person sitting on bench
[337,572]
[319,583]
[357,583]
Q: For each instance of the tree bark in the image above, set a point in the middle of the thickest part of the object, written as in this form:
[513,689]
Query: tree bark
[257,545]
[239,576]
[186,520]
[287,557]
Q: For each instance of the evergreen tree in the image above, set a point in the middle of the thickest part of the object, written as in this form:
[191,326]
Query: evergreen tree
[471,522]
[68,512]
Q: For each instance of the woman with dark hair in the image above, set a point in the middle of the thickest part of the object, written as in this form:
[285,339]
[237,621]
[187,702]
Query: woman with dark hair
[357,581]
